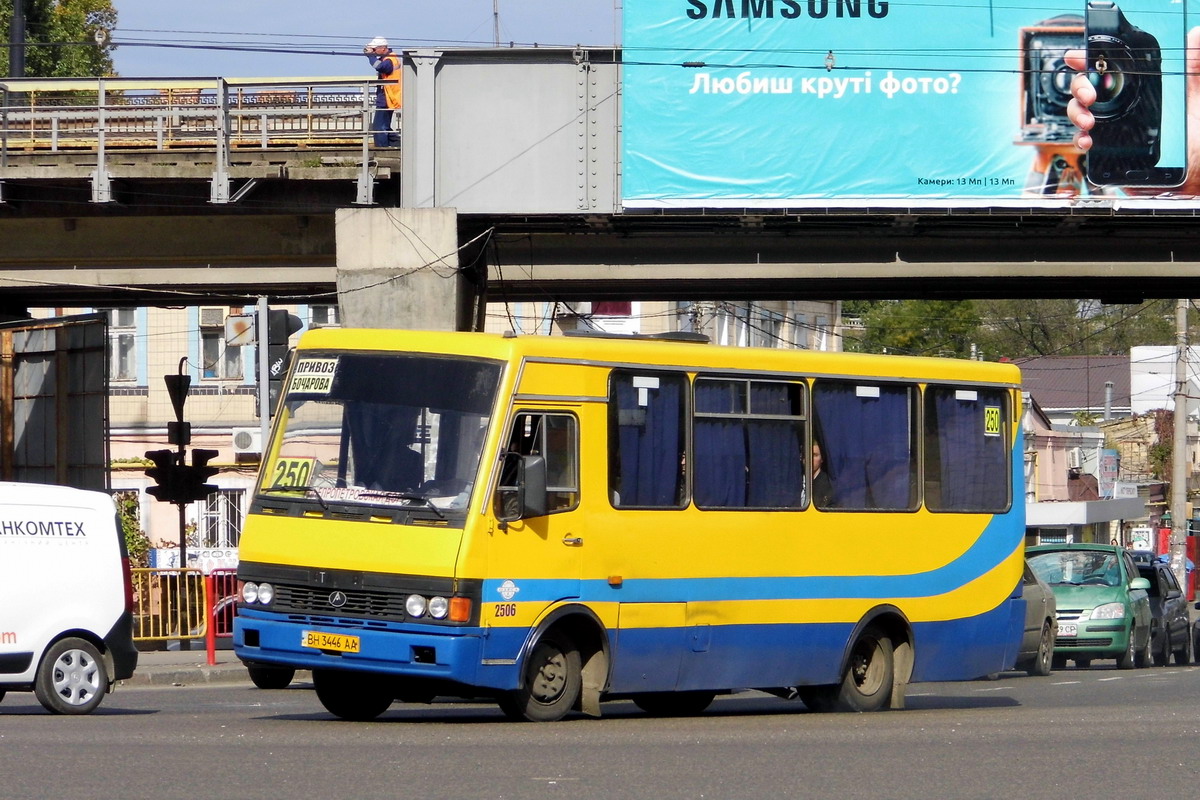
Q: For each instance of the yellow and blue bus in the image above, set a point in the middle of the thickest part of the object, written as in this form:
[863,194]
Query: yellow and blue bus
[554,522]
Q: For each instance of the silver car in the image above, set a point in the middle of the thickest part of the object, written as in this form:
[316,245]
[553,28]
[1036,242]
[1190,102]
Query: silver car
[1041,625]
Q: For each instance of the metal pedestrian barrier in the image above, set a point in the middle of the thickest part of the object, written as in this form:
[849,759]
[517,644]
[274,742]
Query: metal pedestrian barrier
[173,604]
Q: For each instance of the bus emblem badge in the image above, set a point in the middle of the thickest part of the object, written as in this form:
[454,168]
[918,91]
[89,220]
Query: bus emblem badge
[508,589]
[337,599]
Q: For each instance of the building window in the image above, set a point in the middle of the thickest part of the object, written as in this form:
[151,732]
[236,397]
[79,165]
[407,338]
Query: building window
[122,343]
[220,361]
[221,519]
[324,317]
[768,329]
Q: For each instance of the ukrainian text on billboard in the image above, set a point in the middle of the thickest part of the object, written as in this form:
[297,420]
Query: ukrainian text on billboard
[871,102]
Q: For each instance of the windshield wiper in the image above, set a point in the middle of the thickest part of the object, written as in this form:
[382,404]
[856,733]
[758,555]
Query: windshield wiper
[292,489]
[413,498]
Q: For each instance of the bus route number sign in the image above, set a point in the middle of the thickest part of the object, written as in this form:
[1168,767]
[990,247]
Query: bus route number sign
[991,421]
[292,473]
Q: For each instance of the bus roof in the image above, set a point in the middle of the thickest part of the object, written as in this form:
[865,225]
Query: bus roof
[625,350]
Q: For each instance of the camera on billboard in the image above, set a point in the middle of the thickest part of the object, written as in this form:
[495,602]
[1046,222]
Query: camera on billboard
[1046,85]
[1125,66]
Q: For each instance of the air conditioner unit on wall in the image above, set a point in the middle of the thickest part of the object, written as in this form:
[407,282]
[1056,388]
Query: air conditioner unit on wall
[247,440]
[212,317]
[1075,458]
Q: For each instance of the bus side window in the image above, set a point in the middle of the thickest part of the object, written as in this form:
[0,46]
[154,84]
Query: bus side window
[646,436]
[867,434]
[966,449]
[554,437]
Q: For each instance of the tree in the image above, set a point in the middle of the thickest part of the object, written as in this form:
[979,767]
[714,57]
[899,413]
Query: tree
[1040,327]
[913,327]
[60,37]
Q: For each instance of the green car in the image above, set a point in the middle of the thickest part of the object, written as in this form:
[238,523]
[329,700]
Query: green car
[1103,607]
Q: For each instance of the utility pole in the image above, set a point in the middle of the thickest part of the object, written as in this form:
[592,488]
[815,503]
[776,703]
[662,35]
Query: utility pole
[1179,459]
[16,38]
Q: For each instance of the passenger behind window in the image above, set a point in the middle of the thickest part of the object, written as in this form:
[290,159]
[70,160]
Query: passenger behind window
[822,485]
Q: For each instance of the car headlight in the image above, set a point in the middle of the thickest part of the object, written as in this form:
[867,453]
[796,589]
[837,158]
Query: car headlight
[439,607]
[250,592]
[415,605]
[1109,611]
[266,593]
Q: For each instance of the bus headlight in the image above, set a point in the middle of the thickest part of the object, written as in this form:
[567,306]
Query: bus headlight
[253,592]
[415,605]
[439,607]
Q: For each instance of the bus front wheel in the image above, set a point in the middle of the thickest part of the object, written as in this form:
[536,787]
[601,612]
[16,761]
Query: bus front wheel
[552,682]
[356,696]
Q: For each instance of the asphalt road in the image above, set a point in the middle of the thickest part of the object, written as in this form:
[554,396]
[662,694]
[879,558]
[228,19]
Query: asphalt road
[1095,733]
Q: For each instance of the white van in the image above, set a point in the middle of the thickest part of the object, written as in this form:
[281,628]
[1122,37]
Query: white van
[66,621]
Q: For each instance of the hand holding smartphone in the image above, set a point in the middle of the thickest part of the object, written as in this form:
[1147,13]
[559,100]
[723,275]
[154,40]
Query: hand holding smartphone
[1137,70]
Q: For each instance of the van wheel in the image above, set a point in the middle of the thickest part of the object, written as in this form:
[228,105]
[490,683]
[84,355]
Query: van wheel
[674,704]
[71,678]
[553,679]
[270,677]
[356,696]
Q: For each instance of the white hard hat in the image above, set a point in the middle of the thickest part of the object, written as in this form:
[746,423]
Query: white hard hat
[378,41]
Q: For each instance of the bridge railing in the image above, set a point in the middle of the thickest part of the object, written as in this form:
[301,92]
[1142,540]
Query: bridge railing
[39,116]
[49,115]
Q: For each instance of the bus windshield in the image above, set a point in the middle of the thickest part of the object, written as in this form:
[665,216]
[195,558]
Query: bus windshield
[383,429]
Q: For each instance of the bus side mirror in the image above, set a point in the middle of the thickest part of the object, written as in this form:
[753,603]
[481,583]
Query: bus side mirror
[521,492]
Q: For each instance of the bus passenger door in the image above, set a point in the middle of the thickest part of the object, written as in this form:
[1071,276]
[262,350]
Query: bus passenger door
[537,561]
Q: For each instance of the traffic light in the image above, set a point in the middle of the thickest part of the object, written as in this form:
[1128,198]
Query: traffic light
[198,473]
[165,473]
[181,483]
[280,326]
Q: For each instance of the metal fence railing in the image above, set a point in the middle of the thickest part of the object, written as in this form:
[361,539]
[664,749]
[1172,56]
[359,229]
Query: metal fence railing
[172,604]
[217,115]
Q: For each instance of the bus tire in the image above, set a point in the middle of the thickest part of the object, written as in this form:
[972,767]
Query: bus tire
[71,678]
[270,677]
[867,682]
[551,684]
[674,704]
[356,696]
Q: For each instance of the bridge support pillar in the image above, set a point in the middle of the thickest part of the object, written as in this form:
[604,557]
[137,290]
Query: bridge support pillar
[398,268]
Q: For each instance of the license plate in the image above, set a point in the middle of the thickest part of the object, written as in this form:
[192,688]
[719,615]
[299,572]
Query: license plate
[1067,629]
[329,641]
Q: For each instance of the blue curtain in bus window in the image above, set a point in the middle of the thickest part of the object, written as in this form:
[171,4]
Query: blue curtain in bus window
[866,445]
[719,446]
[971,451]
[382,444]
[649,455]
[776,449]
[776,464]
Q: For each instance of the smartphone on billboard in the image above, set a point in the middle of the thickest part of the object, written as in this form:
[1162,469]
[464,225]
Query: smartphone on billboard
[1136,59]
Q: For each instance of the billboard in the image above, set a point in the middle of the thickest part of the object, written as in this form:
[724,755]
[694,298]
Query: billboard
[877,103]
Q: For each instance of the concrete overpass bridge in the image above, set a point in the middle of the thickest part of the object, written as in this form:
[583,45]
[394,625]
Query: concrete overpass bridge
[507,186]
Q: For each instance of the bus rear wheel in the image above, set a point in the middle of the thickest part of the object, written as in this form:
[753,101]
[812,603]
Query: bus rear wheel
[356,696]
[674,704]
[867,682]
[552,682]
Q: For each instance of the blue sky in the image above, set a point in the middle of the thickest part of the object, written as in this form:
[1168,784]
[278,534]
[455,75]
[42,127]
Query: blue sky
[300,38]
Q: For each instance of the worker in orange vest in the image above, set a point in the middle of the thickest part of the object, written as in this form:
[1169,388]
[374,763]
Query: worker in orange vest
[388,94]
